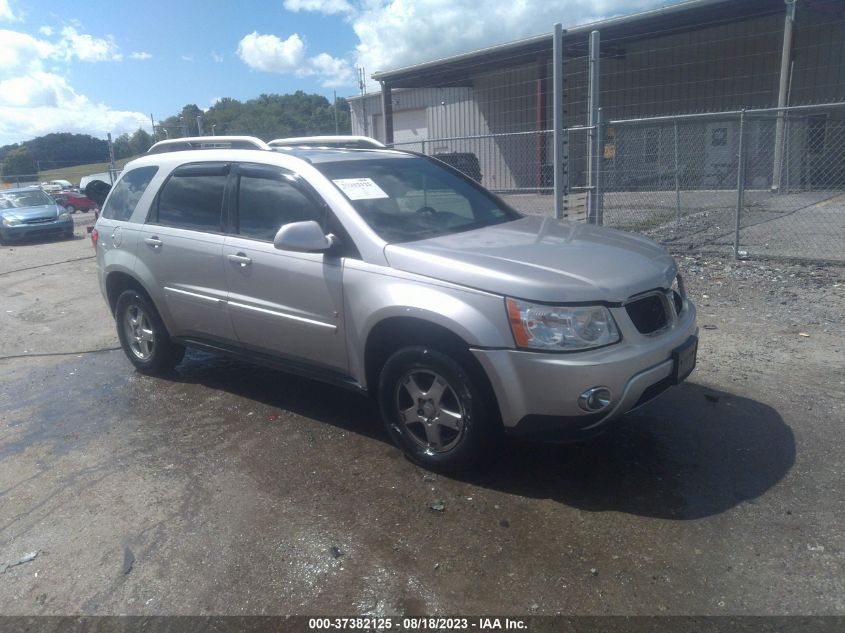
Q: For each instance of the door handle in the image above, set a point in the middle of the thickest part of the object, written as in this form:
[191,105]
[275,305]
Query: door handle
[153,241]
[241,259]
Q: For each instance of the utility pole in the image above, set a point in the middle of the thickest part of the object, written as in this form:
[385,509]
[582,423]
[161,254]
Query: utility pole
[336,129]
[783,91]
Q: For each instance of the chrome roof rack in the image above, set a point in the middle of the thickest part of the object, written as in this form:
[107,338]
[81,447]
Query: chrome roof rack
[208,142]
[346,141]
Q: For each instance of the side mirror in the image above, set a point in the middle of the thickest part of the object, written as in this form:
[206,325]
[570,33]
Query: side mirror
[303,237]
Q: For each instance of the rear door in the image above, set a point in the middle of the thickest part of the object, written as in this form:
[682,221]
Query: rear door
[181,247]
[282,302]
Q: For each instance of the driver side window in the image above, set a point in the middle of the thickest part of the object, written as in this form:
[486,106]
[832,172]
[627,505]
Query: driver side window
[268,201]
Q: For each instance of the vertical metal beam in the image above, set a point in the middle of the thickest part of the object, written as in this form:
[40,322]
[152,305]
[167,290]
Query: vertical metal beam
[599,158]
[783,90]
[740,181]
[677,177]
[387,112]
[593,105]
[542,116]
[557,117]
[199,125]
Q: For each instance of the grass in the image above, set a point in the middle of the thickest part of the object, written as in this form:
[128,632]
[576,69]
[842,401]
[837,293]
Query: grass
[73,174]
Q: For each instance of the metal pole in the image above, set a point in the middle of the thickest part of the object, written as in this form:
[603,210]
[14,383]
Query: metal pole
[112,168]
[199,125]
[783,90]
[677,178]
[153,124]
[599,156]
[335,114]
[593,106]
[740,181]
[557,87]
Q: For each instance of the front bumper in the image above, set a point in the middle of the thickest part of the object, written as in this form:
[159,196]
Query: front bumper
[537,392]
[42,229]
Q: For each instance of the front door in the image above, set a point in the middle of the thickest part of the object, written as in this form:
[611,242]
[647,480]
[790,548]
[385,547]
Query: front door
[282,302]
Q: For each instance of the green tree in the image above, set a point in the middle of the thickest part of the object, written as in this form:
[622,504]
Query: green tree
[141,141]
[19,162]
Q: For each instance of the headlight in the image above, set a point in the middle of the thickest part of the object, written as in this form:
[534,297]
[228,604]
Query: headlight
[10,221]
[64,216]
[560,328]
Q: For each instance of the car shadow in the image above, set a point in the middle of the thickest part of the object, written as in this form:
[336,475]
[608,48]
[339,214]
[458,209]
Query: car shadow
[691,453]
[342,408]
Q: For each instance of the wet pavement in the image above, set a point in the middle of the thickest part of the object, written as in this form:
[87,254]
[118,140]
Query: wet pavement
[240,490]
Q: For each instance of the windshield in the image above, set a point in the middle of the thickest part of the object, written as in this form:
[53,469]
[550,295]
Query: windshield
[23,199]
[408,199]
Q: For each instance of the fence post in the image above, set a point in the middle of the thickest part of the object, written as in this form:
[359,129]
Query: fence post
[740,181]
[422,148]
[677,177]
[557,86]
[599,193]
[593,105]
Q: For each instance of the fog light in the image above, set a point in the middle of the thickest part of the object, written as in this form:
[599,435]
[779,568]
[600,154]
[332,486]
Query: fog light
[594,399]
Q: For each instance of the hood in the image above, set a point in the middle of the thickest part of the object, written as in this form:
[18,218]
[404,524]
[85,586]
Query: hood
[541,259]
[33,213]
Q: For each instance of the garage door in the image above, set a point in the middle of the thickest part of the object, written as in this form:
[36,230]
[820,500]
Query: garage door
[410,126]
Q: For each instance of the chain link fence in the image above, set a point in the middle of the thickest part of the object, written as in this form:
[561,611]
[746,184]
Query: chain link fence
[756,183]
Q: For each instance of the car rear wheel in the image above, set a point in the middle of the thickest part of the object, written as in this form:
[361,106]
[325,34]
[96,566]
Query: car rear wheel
[434,411]
[142,335]
[70,208]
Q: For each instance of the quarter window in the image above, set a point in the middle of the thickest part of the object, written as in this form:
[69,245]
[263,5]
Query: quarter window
[193,198]
[127,192]
[267,202]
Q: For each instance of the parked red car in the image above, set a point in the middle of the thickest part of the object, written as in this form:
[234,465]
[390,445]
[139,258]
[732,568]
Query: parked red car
[73,202]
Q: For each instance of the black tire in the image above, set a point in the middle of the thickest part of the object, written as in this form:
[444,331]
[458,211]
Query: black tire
[155,356]
[460,442]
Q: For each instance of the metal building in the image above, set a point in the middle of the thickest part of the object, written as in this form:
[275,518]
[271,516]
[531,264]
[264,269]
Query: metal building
[696,56]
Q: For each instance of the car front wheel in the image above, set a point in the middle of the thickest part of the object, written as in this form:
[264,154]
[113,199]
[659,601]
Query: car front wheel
[142,335]
[434,411]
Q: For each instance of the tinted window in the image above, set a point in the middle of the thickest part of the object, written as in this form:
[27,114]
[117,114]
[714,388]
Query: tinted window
[414,198]
[128,190]
[193,198]
[266,202]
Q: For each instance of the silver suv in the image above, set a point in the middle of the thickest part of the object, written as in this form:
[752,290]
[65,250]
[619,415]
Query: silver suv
[395,275]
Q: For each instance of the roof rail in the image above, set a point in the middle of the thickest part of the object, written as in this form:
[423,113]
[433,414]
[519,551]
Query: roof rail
[208,142]
[346,141]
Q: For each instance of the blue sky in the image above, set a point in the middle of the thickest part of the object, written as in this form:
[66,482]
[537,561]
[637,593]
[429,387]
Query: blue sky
[96,67]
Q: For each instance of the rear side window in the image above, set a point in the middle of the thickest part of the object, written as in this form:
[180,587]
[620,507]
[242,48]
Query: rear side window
[127,192]
[266,201]
[192,198]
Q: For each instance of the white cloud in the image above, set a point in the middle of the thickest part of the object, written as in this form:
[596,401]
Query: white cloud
[326,7]
[187,58]
[46,31]
[398,33]
[270,53]
[142,55]
[21,53]
[44,102]
[36,99]
[217,57]
[86,48]
[6,12]
[332,71]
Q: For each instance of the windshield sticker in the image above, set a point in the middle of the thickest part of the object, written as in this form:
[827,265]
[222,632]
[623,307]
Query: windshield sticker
[360,188]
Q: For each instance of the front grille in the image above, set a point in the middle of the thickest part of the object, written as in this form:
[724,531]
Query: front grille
[648,314]
[38,220]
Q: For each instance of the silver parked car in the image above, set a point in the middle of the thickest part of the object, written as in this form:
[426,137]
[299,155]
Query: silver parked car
[393,274]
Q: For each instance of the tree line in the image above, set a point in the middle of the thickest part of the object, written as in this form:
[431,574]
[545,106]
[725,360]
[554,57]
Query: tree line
[268,116]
